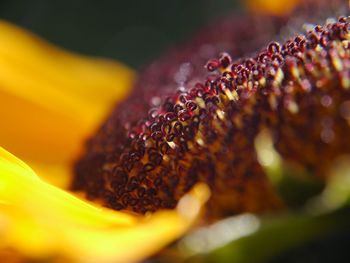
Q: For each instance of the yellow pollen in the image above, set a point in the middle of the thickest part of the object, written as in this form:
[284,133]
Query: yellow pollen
[172,145]
[293,107]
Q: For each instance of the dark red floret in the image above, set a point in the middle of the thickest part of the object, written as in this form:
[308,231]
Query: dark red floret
[190,126]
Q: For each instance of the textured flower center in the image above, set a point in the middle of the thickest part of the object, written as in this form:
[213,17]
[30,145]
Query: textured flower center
[205,130]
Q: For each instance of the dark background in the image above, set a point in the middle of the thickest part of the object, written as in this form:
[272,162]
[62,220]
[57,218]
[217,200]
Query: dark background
[131,31]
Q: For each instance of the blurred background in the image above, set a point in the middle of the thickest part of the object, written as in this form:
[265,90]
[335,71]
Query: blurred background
[130,31]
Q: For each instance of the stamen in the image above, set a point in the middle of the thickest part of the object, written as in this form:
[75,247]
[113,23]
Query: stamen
[205,131]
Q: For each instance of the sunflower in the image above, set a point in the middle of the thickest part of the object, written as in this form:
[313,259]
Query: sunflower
[52,101]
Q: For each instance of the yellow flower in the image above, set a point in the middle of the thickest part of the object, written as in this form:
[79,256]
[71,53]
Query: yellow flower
[272,7]
[51,101]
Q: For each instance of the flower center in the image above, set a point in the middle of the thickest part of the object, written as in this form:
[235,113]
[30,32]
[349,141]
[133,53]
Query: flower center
[205,130]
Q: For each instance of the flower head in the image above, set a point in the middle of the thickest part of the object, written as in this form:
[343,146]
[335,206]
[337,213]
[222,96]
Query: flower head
[204,130]
[188,124]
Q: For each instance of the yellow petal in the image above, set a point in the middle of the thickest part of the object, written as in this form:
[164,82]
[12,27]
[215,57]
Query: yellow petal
[51,100]
[272,7]
[41,221]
